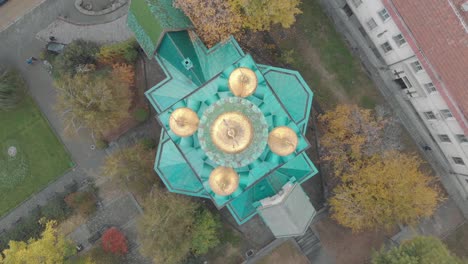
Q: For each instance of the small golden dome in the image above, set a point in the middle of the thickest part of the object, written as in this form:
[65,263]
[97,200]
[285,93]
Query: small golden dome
[183,122]
[243,82]
[224,181]
[231,132]
[282,140]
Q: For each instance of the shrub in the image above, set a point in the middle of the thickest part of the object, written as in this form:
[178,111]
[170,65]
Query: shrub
[83,202]
[148,143]
[101,144]
[205,232]
[141,114]
[78,53]
[12,87]
[123,52]
[114,241]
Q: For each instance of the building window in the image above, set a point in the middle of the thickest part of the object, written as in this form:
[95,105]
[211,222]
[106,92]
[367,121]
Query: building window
[462,138]
[416,65]
[399,40]
[384,15]
[430,88]
[357,3]
[444,138]
[429,115]
[458,160]
[347,10]
[371,24]
[386,47]
[446,113]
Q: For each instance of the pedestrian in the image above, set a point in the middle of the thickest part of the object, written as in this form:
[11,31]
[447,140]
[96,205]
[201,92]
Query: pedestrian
[29,61]
[52,38]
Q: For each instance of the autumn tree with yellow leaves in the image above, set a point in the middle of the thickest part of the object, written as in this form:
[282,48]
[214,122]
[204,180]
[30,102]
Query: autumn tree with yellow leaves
[50,248]
[215,20]
[384,190]
[350,133]
[378,187]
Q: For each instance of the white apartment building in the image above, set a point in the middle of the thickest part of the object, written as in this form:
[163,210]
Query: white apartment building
[425,44]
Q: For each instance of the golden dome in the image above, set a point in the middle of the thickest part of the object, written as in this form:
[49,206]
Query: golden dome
[243,82]
[231,132]
[282,140]
[183,122]
[223,180]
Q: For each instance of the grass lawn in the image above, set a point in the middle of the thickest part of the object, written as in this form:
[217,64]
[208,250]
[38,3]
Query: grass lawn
[42,156]
[319,53]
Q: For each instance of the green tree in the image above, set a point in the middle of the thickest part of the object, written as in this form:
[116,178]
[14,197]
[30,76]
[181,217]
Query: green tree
[99,102]
[205,232]
[74,57]
[131,167]
[420,250]
[50,248]
[262,14]
[383,191]
[165,227]
[122,52]
[12,88]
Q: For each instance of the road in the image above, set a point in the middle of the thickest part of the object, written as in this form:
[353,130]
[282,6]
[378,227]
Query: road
[15,9]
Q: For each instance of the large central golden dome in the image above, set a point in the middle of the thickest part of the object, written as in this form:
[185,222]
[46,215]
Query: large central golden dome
[232,132]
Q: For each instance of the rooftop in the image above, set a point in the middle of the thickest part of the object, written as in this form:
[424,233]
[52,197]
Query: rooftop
[438,33]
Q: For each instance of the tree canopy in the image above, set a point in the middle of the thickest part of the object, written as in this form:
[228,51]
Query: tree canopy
[420,250]
[131,167]
[75,56]
[384,191]
[50,248]
[12,88]
[170,226]
[215,20]
[97,101]
[350,133]
[262,14]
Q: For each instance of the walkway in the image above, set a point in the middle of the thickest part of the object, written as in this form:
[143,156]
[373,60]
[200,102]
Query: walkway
[65,32]
[17,43]
[15,9]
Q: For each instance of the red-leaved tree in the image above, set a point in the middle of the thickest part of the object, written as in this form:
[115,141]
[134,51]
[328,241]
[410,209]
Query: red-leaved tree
[114,241]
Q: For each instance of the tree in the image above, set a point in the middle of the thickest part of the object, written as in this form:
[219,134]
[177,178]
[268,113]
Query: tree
[383,191]
[214,20]
[165,227]
[51,248]
[12,87]
[131,167]
[205,232]
[350,133]
[83,202]
[420,250]
[122,52]
[262,14]
[77,53]
[114,241]
[99,102]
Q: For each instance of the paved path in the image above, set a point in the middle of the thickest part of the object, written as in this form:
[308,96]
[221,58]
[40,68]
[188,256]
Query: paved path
[65,32]
[17,43]
[15,9]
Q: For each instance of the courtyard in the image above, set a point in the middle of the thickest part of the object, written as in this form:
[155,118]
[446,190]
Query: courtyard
[28,141]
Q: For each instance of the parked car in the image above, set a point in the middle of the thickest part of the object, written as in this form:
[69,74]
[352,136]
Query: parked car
[2,2]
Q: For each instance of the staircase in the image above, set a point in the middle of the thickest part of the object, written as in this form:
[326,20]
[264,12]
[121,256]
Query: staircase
[309,243]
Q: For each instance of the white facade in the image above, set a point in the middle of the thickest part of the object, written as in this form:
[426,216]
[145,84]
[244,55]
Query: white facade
[415,84]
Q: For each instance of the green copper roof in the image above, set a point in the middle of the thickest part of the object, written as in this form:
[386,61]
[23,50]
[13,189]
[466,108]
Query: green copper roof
[197,78]
[151,19]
